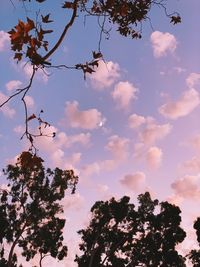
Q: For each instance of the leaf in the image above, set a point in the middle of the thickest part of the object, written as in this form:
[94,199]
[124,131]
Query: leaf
[45,19]
[94,63]
[47,31]
[31,117]
[18,56]
[29,25]
[96,55]
[68,5]
[175,19]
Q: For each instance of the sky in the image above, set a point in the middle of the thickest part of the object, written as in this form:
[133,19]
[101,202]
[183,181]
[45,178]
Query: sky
[132,126]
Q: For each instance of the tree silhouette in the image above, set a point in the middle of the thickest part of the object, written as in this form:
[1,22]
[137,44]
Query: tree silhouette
[194,254]
[29,211]
[29,37]
[123,236]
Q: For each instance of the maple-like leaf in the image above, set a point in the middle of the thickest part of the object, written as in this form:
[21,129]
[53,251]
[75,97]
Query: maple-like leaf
[45,19]
[31,117]
[68,5]
[175,19]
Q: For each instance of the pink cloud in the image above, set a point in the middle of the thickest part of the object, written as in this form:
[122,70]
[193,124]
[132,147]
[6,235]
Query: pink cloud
[185,105]
[154,132]
[192,165]
[154,157]
[98,166]
[193,79]
[124,93]
[135,181]
[187,187]
[175,200]
[4,40]
[60,160]
[195,142]
[135,121]
[163,43]
[29,101]
[62,140]
[6,110]
[13,85]
[105,75]
[90,169]
[118,146]
[87,119]
[139,150]
[75,202]
[27,68]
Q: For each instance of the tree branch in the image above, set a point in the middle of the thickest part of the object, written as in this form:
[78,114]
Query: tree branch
[74,14]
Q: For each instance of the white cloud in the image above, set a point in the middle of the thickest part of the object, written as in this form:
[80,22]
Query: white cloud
[154,157]
[135,181]
[187,187]
[87,119]
[189,100]
[163,43]
[136,121]
[193,79]
[6,110]
[4,40]
[105,75]
[118,146]
[124,93]
[13,85]
[154,132]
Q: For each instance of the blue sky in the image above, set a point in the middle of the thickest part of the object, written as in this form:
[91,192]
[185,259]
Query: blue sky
[132,126]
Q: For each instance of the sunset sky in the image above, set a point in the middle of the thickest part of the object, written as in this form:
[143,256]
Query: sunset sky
[132,126]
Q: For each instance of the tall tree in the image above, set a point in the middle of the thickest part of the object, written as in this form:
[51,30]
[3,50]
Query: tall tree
[29,211]
[123,236]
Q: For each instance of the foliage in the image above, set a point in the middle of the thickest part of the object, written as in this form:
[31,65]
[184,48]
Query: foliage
[30,208]
[194,255]
[121,235]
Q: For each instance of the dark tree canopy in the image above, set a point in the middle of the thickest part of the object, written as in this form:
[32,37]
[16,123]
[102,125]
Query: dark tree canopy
[121,235]
[194,255]
[30,208]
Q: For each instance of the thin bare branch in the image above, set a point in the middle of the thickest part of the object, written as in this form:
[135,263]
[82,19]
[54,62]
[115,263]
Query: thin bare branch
[60,40]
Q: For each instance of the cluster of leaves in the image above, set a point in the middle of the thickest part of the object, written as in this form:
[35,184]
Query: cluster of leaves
[30,208]
[120,235]
[27,38]
[127,14]
[90,67]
